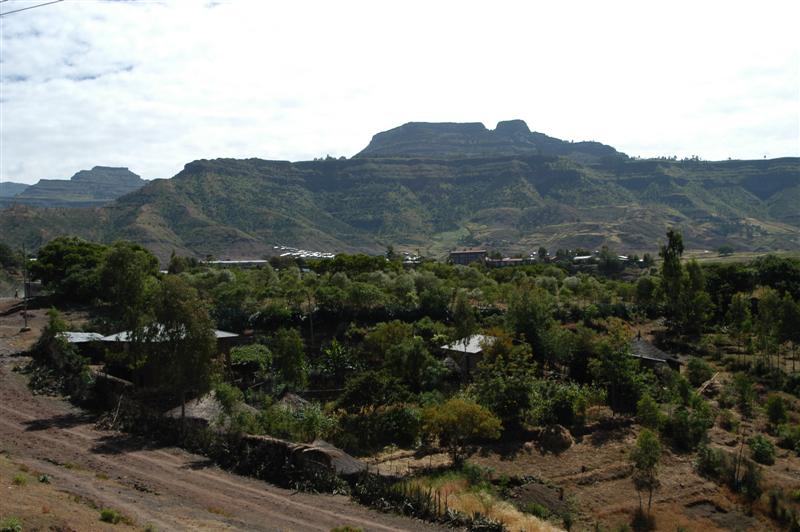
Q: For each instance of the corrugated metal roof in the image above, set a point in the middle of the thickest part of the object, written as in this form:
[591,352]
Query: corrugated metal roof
[125,336]
[471,344]
[81,337]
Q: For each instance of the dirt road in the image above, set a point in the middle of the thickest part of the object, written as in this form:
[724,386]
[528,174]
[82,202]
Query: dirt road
[160,486]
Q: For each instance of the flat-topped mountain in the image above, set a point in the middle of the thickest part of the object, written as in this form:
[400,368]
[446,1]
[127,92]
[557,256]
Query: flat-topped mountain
[512,137]
[9,188]
[95,187]
[511,202]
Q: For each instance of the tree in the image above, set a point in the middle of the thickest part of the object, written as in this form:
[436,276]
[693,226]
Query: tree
[289,357]
[463,316]
[180,341]
[645,457]
[459,422]
[608,262]
[789,330]
[69,266]
[648,414]
[672,274]
[616,370]
[127,273]
[739,318]
[503,381]
[725,250]
[530,314]
[776,410]
[695,304]
[542,254]
[698,371]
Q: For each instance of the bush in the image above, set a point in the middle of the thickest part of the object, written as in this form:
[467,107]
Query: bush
[698,371]
[776,409]
[19,480]
[728,421]
[11,524]
[688,427]
[373,428]
[744,393]
[762,450]
[107,515]
[789,437]
[648,414]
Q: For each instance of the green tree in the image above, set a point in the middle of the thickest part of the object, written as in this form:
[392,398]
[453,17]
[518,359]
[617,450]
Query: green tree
[789,329]
[69,266]
[698,371]
[648,414]
[672,275]
[645,457]
[180,341]
[289,357]
[530,314]
[503,381]
[739,318]
[616,370]
[463,316]
[126,275]
[696,306]
[776,410]
[459,422]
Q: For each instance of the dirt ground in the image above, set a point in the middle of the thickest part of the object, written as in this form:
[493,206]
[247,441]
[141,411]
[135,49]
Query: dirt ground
[162,487]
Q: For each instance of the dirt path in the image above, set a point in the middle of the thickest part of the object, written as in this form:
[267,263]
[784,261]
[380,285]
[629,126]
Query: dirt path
[162,486]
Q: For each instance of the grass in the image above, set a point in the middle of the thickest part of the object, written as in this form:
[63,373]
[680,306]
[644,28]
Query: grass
[469,495]
[19,480]
[107,515]
[10,524]
[216,510]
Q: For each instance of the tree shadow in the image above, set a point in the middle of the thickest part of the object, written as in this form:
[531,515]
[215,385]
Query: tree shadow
[116,444]
[63,421]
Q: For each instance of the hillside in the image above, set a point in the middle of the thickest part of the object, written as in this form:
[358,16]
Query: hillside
[509,202]
[87,188]
[9,188]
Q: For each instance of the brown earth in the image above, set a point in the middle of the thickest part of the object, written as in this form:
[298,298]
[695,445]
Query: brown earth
[165,487]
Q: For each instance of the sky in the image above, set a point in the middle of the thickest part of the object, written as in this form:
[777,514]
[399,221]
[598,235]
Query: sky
[155,85]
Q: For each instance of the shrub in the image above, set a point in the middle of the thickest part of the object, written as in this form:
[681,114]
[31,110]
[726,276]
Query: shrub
[789,437]
[776,409]
[728,421]
[346,528]
[688,427]
[698,371]
[373,428]
[107,515]
[762,450]
[11,524]
[19,479]
[744,392]
[648,414]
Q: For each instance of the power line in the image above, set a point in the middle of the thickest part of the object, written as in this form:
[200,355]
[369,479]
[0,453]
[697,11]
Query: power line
[29,7]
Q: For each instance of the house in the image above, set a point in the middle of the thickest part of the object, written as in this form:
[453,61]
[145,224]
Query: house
[652,357]
[466,256]
[467,352]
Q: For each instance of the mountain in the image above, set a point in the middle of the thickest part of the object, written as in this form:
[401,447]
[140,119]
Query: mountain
[87,188]
[9,188]
[452,140]
[457,195]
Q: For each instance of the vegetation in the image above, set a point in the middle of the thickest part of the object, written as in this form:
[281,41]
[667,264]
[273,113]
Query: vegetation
[349,350]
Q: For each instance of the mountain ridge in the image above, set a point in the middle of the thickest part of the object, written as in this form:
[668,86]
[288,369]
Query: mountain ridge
[86,188]
[241,208]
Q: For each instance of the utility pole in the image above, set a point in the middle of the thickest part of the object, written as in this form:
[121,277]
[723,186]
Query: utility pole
[25,289]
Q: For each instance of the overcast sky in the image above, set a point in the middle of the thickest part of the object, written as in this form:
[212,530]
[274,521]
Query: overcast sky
[154,85]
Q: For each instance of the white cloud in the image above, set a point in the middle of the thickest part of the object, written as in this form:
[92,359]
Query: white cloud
[155,85]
